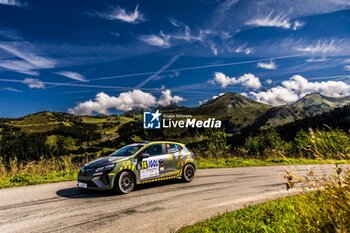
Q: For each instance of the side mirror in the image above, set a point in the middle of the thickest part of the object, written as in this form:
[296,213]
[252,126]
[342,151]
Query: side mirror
[144,156]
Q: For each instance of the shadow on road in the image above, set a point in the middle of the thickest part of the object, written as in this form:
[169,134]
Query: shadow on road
[76,192]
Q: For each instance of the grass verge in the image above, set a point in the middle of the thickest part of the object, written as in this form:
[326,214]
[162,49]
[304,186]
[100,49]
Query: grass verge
[323,207]
[51,171]
[30,178]
[248,162]
[274,216]
[288,214]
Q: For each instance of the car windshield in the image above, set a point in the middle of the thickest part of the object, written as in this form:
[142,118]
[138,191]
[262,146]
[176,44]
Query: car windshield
[126,151]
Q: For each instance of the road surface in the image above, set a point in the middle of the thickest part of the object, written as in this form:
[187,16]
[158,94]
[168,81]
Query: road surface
[159,207]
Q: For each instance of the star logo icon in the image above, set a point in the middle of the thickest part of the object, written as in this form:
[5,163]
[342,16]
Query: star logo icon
[151,120]
[156,115]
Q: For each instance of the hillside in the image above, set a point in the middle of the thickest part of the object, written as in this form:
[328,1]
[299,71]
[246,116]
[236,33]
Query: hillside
[54,133]
[234,109]
[310,105]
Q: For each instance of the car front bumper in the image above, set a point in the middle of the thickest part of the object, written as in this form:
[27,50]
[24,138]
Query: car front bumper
[97,181]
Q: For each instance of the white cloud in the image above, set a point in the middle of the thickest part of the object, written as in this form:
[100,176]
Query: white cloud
[247,80]
[279,20]
[267,65]
[203,101]
[34,83]
[297,24]
[22,52]
[11,3]
[73,75]
[174,22]
[166,98]
[321,46]
[216,96]
[347,67]
[103,103]
[161,40]
[269,81]
[186,35]
[243,49]
[214,49]
[297,87]
[132,17]
[19,66]
[206,100]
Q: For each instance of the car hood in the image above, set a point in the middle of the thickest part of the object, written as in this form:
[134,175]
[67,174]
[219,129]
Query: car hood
[104,161]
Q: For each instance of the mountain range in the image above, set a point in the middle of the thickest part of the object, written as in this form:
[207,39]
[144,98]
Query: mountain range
[237,110]
[47,134]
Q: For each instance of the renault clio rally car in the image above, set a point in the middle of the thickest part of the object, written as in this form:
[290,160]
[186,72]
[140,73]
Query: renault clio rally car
[136,164]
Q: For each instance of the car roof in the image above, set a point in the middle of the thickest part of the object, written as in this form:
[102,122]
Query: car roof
[156,142]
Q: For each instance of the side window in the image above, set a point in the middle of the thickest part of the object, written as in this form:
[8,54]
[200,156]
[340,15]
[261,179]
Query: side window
[172,148]
[154,150]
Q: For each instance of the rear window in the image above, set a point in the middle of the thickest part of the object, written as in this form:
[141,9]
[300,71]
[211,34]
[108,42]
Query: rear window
[173,148]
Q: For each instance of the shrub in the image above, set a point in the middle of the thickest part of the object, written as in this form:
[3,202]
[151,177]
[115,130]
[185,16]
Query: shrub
[266,144]
[321,144]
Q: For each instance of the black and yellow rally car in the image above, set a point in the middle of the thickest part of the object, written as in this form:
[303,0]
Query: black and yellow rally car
[138,163]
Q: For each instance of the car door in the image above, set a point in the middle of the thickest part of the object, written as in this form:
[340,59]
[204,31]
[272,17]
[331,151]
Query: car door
[153,167]
[173,157]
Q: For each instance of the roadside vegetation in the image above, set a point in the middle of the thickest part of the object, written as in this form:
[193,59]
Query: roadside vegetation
[38,172]
[49,146]
[213,151]
[325,210]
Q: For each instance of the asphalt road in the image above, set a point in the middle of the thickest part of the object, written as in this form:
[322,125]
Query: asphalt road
[159,207]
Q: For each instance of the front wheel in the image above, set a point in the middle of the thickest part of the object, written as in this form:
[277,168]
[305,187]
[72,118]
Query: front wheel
[124,183]
[188,173]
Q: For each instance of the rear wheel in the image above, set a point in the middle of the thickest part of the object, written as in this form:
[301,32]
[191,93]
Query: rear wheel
[125,182]
[188,173]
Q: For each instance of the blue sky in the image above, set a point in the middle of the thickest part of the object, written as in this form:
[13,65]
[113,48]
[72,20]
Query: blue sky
[103,57]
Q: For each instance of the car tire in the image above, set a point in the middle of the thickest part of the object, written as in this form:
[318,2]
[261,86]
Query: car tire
[124,182]
[188,173]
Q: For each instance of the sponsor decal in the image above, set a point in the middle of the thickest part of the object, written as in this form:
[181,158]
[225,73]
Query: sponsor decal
[149,169]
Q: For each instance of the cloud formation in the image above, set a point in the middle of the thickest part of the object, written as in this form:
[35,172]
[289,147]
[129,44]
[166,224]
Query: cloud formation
[280,20]
[320,46]
[297,24]
[297,87]
[103,103]
[347,67]
[214,97]
[22,52]
[73,75]
[21,58]
[11,3]
[34,83]
[19,67]
[166,98]
[267,65]
[248,80]
[132,17]
[161,40]
[243,49]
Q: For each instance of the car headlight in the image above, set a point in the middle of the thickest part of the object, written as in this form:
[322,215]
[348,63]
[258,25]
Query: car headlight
[105,168]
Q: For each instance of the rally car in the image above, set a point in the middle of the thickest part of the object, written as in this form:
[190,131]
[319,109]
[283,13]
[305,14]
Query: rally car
[138,163]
